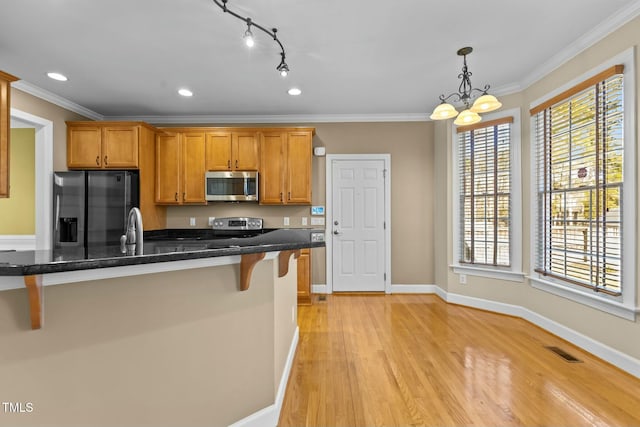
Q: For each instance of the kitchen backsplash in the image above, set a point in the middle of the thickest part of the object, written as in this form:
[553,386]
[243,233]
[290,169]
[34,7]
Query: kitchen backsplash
[179,216]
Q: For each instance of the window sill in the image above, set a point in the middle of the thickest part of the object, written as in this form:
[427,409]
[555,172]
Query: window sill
[589,299]
[510,276]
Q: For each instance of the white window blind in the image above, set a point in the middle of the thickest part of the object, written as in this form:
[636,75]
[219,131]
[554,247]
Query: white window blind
[485,193]
[579,140]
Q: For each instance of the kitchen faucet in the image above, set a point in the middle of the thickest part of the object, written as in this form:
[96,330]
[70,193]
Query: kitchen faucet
[131,242]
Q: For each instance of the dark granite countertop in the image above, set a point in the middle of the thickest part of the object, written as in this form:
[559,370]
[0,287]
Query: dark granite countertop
[175,248]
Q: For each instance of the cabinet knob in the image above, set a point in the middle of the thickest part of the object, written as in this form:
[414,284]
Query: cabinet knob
[236,163]
[281,196]
[105,161]
[289,198]
[228,164]
[176,197]
[184,196]
[97,160]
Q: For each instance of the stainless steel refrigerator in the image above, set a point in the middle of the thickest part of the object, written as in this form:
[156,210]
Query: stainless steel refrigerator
[90,208]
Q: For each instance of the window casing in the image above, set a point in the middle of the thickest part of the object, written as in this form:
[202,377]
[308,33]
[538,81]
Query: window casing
[484,165]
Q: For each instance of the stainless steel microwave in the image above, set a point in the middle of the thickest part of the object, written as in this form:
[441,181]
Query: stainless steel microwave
[231,186]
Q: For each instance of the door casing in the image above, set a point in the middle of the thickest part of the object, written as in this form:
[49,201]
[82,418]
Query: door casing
[330,158]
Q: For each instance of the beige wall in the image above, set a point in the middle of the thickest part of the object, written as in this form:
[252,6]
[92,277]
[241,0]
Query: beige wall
[17,213]
[412,193]
[156,349]
[600,326]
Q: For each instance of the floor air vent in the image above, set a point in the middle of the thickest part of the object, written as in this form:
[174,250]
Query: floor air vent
[566,356]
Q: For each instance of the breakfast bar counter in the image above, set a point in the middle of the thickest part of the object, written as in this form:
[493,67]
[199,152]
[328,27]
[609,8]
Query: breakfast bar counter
[173,331]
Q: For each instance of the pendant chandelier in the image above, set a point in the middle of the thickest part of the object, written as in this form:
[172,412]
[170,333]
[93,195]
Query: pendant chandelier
[483,104]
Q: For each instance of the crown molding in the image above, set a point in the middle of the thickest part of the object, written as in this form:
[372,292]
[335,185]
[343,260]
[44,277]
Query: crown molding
[587,40]
[55,99]
[292,118]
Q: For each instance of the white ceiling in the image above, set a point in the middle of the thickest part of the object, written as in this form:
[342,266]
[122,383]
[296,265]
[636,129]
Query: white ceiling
[351,58]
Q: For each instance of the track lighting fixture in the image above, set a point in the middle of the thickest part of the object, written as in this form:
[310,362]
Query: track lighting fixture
[469,115]
[282,68]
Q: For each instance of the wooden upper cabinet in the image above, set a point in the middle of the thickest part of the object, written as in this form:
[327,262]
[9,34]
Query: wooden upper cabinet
[230,150]
[299,167]
[244,151]
[96,145]
[218,151]
[180,168]
[285,170]
[193,167]
[5,130]
[168,177]
[272,165]
[120,146]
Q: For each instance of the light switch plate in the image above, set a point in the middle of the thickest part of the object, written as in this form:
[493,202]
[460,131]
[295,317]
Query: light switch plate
[192,221]
[317,221]
[304,220]
[286,220]
[211,219]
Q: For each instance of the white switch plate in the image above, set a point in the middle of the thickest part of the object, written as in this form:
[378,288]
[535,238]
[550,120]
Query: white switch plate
[317,221]
[463,279]
[211,219]
[304,220]
[286,220]
[192,221]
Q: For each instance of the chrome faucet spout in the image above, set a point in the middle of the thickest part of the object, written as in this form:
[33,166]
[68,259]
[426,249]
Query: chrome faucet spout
[132,241]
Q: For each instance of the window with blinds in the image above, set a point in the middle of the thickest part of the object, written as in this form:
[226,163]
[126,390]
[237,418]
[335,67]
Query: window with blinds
[579,140]
[484,157]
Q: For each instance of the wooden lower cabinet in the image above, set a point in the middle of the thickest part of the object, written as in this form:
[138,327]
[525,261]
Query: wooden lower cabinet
[5,125]
[304,277]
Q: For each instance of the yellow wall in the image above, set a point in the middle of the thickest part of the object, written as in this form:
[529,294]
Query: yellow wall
[17,213]
[594,324]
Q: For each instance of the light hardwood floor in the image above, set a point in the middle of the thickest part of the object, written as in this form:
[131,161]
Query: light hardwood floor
[411,360]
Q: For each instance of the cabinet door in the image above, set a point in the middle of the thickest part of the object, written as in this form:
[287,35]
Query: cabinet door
[244,149]
[120,147]
[193,167]
[272,164]
[84,147]
[168,177]
[304,277]
[218,151]
[298,180]
[5,125]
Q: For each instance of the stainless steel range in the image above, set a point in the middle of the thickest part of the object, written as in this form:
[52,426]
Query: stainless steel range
[237,224]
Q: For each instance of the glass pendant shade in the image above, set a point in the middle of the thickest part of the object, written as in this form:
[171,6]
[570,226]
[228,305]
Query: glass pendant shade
[443,111]
[486,103]
[467,117]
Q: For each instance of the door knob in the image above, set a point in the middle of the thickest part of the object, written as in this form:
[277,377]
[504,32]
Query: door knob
[335,222]
[336,232]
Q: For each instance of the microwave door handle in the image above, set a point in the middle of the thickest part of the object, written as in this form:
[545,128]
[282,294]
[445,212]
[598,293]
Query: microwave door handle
[246,187]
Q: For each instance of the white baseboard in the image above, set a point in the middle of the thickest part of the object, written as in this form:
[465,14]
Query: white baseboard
[18,242]
[319,289]
[414,289]
[269,416]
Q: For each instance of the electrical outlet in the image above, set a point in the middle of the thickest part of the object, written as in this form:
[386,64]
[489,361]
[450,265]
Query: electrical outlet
[463,279]
[192,221]
[286,220]
[304,220]
[317,221]
[211,219]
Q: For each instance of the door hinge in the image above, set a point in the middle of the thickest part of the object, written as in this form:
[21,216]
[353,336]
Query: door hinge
[384,173]
[384,225]
[385,277]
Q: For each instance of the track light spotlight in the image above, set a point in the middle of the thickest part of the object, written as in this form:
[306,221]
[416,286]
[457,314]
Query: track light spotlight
[283,68]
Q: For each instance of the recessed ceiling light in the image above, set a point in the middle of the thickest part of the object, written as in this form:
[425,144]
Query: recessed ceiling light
[294,91]
[58,76]
[185,92]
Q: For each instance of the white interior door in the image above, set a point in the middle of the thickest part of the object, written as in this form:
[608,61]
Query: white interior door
[358,240]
